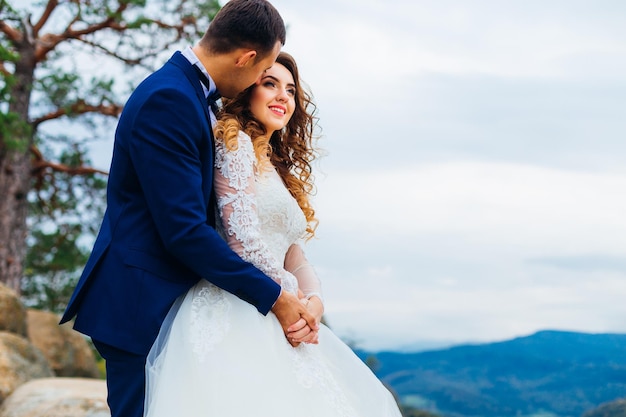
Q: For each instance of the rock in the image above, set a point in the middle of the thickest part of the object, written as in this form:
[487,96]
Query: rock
[20,362]
[12,312]
[58,397]
[66,350]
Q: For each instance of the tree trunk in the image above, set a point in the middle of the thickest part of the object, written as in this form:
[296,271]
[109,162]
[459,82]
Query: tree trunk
[15,173]
[14,181]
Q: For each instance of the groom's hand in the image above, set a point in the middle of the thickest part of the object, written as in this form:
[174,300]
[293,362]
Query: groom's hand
[294,318]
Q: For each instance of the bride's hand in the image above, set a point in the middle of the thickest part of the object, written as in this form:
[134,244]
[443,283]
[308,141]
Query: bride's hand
[316,308]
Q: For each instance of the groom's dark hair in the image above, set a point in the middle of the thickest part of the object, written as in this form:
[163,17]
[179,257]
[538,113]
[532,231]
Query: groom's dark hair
[253,24]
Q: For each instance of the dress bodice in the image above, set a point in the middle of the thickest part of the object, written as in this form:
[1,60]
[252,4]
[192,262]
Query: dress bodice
[281,220]
[259,217]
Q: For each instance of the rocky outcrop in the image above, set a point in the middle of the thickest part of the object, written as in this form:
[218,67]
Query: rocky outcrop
[58,397]
[36,356]
[20,362]
[66,350]
[12,312]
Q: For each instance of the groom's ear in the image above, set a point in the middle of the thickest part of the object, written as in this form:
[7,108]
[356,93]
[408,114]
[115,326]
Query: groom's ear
[245,57]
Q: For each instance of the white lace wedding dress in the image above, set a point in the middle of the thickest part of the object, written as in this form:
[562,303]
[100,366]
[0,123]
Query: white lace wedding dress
[216,356]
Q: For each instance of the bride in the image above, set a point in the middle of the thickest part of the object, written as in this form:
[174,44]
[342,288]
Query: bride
[216,355]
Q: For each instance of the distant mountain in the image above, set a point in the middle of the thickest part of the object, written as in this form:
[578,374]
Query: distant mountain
[547,374]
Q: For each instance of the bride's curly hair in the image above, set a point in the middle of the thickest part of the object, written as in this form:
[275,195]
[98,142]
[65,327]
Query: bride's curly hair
[291,149]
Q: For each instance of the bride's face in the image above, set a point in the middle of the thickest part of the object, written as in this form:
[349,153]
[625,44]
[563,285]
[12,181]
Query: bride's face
[272,101]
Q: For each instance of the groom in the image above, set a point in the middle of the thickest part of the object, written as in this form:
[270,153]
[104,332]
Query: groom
[157,238]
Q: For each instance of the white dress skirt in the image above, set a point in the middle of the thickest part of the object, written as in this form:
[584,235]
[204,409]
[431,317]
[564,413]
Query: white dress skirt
[217,356]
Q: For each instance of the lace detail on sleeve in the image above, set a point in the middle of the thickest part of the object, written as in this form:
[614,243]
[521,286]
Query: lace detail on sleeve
[236,201]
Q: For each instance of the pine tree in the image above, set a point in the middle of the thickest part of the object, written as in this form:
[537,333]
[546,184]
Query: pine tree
[66,67]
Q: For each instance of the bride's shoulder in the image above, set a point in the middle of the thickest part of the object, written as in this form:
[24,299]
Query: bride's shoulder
[243,138]
[241,142]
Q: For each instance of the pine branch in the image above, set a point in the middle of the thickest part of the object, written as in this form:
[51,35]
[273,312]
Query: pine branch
[106,51]
[49,41]
[13,34]
[40,164]
[52,4]
[80,107]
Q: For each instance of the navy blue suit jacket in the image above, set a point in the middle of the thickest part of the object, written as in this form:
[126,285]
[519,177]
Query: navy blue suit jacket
[156,241]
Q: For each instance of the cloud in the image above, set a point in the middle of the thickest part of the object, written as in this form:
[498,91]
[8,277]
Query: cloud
[509,202]
[394,313]
[527,82]
[470,251]
[588,262]
[378,39]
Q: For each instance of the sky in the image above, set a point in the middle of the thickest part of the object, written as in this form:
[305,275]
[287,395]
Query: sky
[473,183]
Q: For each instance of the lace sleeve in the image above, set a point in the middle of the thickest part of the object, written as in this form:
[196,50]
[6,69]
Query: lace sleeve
[297,263]
[236,202]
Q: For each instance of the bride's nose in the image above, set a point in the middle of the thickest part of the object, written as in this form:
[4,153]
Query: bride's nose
[282,95]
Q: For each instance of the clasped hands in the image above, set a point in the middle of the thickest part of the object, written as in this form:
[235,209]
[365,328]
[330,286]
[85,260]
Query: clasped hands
[299,317]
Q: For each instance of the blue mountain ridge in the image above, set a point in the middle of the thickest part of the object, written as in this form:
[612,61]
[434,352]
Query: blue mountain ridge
[550,374]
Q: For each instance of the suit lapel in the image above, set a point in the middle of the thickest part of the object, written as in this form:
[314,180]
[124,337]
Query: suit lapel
[180,61]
